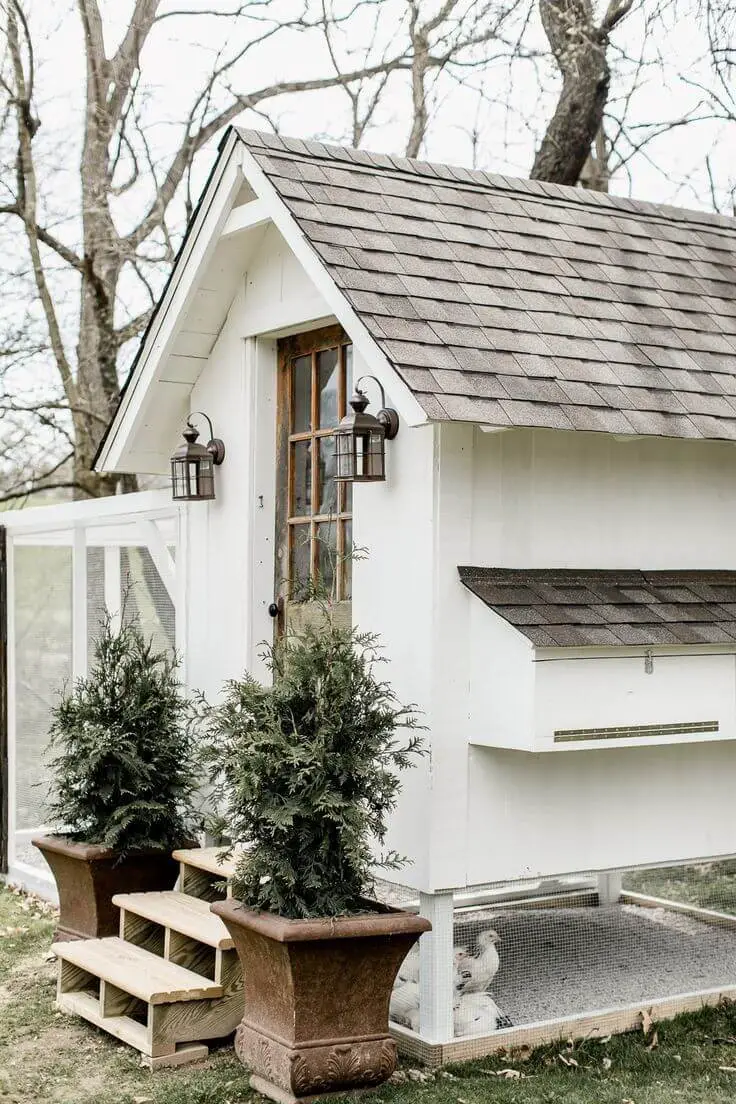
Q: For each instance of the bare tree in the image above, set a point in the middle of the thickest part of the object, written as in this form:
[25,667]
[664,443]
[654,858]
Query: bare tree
[117,157]
[83,258]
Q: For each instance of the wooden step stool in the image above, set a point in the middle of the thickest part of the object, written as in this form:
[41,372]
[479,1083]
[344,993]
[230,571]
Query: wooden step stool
[172,979]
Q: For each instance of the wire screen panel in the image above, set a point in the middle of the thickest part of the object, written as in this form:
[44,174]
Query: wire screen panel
[538,956]
[708,885]
[145,598]
[96,608]
[42,595]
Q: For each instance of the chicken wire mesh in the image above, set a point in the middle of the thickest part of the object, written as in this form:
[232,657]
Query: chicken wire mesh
[121,576]
[42,594]
[535,952]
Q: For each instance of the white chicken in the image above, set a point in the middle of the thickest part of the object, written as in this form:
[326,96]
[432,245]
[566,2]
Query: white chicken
[404,1002]
[474,973]
[478,1014]
[409,968]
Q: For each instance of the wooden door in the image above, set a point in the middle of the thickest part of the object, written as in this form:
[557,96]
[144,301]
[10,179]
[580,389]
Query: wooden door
[313,512]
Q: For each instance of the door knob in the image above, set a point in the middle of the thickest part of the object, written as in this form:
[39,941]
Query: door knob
[275,608]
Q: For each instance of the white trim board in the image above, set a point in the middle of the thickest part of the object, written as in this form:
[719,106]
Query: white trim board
[216,205]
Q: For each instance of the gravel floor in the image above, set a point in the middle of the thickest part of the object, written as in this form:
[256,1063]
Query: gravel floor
[562,962]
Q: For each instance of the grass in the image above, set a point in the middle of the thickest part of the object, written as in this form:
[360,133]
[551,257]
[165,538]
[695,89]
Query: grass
[707,885]
[47,1057]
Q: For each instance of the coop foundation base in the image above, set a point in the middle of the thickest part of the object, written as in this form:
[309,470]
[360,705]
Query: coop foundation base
[597,1024]
[612,1021]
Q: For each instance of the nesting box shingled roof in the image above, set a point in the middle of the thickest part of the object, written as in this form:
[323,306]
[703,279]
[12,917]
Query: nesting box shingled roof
[569,608]
[518,303]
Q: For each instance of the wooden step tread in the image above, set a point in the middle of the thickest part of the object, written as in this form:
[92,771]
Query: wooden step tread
[208,859]
[136,971]
[188,915]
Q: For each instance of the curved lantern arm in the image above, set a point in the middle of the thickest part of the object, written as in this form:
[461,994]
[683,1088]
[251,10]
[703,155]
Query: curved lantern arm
[215,445]
[387,416]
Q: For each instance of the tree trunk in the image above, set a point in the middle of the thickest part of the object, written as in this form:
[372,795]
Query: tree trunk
[97,347]
[579,48]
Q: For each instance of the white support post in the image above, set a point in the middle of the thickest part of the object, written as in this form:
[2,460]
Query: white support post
[151,536]
[436,969]
[79,602]
[609,887]
[11,691]
[113,584]
[181,595]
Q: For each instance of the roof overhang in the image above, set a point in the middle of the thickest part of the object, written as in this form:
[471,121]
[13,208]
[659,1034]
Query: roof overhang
[236,206]
[584,608]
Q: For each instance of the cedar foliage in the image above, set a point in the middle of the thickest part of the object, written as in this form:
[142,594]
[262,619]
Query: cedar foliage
[306,770]
[122,756]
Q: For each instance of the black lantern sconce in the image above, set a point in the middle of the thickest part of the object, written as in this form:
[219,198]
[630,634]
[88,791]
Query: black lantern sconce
[360,439]
[193,465]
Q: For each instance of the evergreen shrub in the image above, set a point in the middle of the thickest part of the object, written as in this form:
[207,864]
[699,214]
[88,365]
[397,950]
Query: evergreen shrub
[122,756]
[306,771]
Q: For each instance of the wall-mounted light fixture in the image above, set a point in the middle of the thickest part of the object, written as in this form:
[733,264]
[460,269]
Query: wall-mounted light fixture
[192,465]
[360,439]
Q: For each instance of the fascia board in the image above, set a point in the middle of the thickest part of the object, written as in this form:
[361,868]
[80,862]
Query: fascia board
[198,249]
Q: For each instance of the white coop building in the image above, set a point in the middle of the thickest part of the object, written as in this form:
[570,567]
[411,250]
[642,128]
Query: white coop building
[550,562]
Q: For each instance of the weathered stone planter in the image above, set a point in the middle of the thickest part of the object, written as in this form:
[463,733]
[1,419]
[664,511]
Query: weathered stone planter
[316,998]
[88,875]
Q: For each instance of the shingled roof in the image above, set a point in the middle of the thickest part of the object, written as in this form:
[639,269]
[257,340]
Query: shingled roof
[568,608]
[518,303]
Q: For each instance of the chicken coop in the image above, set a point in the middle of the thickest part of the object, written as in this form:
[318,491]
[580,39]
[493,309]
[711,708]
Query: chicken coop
[547,548]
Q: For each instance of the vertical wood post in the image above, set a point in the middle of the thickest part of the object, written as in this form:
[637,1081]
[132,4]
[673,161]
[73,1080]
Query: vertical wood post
[436,969]
[113,584]
[181,597]
[609,887]
[79,602]
[4,695]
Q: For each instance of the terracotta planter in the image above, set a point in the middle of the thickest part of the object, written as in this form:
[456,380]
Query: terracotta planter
[316,997]
[88,875]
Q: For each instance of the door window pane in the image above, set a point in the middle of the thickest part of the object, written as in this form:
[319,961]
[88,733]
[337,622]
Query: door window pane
[327,484]
[327,376]
[300,560]
[319,383]
[327,557]
[301,459]
[301,394]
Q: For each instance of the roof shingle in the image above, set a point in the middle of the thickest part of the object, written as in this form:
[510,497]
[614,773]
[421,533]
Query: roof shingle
[570,608]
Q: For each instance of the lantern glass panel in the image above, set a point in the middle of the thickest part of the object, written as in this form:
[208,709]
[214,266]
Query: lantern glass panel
[345,456]
[204,475]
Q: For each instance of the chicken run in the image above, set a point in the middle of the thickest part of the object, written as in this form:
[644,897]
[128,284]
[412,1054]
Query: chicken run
[568,958]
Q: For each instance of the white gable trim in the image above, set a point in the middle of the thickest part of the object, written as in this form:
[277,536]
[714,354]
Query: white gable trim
[202,241]
[407,406]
